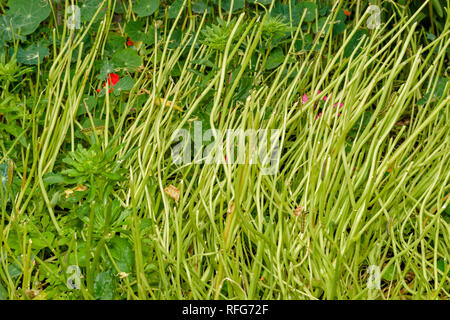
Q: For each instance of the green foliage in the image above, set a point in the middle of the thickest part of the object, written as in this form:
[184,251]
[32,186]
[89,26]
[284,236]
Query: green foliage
[88,178]
[144,8]
[93,162]
[216,36]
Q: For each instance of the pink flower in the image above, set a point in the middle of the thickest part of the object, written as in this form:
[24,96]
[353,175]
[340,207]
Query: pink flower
[304,98]
[325,98]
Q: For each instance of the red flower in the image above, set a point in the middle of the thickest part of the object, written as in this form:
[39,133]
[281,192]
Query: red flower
[113,78]
[129,42]
[347,13]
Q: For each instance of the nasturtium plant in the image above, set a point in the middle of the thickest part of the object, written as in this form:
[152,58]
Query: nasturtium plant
[88,8]
[310,8]
[233,5]
[174,9]
[87,101]
[106,68]
[145,8]
[124,84]
[127,59]
[354,42]
[200,7]
[33,54]
[114,43]
[339,23]
[27,14]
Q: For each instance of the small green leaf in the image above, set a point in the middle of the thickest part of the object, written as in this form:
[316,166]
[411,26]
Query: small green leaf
[4,173]
[124,84]
[104,286]
[123,254]
[107,68]
[145,8]
[174,9]
[14,270]
[56,178]
[264,2]
[199,7]
[3,293]
[389,273]
[310,8]
[441,264]
[275,58]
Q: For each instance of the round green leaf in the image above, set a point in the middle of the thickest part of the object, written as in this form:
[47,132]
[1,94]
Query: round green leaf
[127,59]
[145,8]
[28,14]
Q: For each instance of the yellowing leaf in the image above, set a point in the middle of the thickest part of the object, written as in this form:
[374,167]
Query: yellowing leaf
[80,188]
[68,192]
[173,192]
[168,103]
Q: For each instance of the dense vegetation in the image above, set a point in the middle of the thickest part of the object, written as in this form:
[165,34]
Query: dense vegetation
[94,205]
